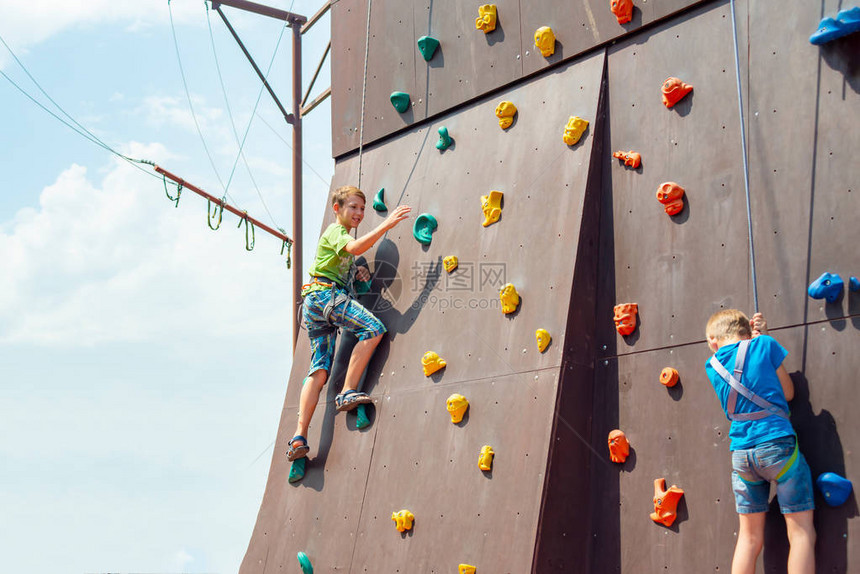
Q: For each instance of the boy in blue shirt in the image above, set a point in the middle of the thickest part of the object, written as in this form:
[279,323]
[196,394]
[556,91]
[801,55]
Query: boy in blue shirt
[329,305]
[754,388]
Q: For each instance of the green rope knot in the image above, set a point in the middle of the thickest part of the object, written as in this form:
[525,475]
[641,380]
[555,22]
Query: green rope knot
[250,239]
[211,213]
[175,200]
[289,246]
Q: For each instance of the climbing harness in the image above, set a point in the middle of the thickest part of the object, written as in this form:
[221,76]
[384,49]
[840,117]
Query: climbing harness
[734,381]
[363,93]
[338,295]
[744,152]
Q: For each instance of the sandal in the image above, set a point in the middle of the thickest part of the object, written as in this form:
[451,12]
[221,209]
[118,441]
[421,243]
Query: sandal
[300,451]
[348,400]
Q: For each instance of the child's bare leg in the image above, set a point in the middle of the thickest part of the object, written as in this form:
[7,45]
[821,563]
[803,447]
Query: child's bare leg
[361,354]
[308,401]
[750,541]
[801,539]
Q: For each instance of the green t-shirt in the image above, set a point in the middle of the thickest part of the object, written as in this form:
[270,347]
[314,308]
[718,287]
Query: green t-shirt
[332,261]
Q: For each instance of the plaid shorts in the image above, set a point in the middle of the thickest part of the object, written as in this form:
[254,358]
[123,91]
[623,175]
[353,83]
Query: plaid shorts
[349,315]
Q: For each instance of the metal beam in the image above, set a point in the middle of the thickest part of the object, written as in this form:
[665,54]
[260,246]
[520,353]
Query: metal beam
[320,13]
[262,10]
[317,101]
[316,73]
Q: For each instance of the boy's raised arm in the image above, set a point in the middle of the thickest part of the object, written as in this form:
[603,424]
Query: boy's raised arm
[365,242]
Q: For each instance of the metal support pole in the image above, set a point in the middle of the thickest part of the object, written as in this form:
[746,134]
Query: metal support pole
[297,176]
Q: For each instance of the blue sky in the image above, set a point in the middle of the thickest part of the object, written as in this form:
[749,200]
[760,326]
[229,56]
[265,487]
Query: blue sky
[143,357]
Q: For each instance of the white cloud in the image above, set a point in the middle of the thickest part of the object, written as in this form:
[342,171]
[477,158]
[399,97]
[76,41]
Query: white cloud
[114,261]
[25,24]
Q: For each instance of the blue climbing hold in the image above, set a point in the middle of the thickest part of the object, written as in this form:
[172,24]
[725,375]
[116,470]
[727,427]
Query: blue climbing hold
[835,488]
[422,230]
[846,22]
[297,469]
[829,286]
[445,140]
[400,101]
[854,284]
[379,200]
[427,46]
[305,563]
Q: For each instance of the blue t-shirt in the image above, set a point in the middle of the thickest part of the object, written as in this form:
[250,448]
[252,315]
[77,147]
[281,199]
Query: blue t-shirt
[764,356]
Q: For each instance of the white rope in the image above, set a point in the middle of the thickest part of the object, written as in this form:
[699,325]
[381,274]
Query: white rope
[744,151]
[363,94]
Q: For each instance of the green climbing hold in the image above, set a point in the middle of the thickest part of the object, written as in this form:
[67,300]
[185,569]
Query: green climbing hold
[297,470]
[305,563]
[427,45]
[361,420]
[445,140]
[400,101]
[379,200]
[422,230]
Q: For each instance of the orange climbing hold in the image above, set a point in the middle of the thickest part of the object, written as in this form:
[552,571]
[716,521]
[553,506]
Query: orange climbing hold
[671,195]
[623,10]
[669,377]
[674,91]
[630,158]
[619,448]
[665,502]
[625,318]
[466,569]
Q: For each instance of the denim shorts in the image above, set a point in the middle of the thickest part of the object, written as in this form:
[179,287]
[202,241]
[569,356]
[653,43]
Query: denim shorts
[349,315]
[755,468]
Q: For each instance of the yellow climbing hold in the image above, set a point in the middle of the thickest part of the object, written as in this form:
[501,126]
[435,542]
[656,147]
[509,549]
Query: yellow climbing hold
[574,129]
[506,111]
[485,459]
[509,297]
[403,520]
[466,569]
[545,41]
[432,363]
[543,339]
[457,406]
[486,20]
[491,205]
[450,263]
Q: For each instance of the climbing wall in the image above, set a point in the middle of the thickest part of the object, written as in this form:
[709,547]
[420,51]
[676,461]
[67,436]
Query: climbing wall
[579,233]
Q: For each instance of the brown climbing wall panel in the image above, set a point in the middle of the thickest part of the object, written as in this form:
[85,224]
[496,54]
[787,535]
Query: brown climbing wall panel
[579,233]
[800,101]
[468,62]
[413,456]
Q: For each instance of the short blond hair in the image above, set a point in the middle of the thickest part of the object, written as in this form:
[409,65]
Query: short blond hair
[342,193]
[727,323]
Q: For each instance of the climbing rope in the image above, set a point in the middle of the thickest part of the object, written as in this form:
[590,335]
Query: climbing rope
[175,200]
[239,142]
[744,151]
[363,94]
[191,105]
[78,128]
[249,239]
[211,213]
